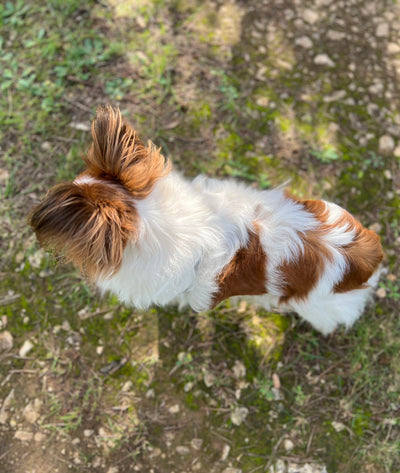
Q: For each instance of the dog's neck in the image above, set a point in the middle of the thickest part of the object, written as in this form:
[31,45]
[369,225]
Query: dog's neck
[178,233]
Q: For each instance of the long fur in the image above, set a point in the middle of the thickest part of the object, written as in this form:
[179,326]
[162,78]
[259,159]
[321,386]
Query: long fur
[143,232]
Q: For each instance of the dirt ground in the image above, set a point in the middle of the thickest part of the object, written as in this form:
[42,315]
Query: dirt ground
[267,92]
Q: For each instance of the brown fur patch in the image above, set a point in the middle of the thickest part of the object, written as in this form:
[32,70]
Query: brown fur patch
[89,224]
[245,274]
[118,154]
[301,275]
[363,254]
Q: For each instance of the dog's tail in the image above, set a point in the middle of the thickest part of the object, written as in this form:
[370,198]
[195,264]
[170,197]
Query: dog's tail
[118,154]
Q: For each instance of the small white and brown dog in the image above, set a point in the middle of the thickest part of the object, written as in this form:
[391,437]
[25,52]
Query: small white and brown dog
[143,232]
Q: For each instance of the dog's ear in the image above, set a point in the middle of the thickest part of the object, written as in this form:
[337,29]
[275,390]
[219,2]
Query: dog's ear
[88,225]
[118,154]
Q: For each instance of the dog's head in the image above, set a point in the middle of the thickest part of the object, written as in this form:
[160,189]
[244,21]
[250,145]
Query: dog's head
[90,221]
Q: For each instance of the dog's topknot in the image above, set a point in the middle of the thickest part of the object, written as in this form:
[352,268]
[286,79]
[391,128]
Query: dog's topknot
[118,154]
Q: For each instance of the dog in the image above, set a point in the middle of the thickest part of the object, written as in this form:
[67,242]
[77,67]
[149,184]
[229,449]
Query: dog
[140,230]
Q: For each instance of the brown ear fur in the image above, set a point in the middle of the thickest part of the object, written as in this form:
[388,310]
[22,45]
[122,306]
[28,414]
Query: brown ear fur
[89,224]
[118,154]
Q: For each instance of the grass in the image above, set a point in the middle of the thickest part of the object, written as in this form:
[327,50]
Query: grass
[338,399]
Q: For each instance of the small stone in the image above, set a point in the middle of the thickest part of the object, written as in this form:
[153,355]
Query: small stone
[26,348]
[182,450]
[387,173]
[310,16]
[127,386]
[88,432]
[31,413]
[304,42]
[376,227]
[188,386]
[382,30]
[381,293]
[23,435]
[393,48]
[174,409]
[6,341]
[323,60]
[279,467]
[80,126]
[335,96]
[391,277]
[113,469]
[197,466]
[386,144]
[338,426]
[288,445]
[196,444]
[150,394]
[335,35]
[225,452]
[232,470]
[396,152]
[39,437]
[4,408]
[376,88]
[239,370]
[157,452]
[3,322]
[261,102]
[238,415]
[46,146]
[209,379]
[276,381]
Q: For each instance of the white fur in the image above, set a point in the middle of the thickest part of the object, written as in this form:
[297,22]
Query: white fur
[190,231]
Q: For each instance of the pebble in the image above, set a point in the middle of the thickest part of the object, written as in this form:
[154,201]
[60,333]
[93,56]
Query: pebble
[382,30]
[30,411]
[304,41]
[209,379]
[335,35]
[335,96]
[238,415]
[338,426]
[396,152]
[381,293]
[196,443]
[4,408]
[23,435]
[239,370]
[174,409]
[386,144]
[88,432]
[323,60]
[288,445]
[310,16]
[26,348]
[3,321]
[182,450]
[306,468]
[150,394]
[376,88]
[127,386]
[225,452]
[279,467]
[39,437]
[6,341]
[232,470]
[113,469]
